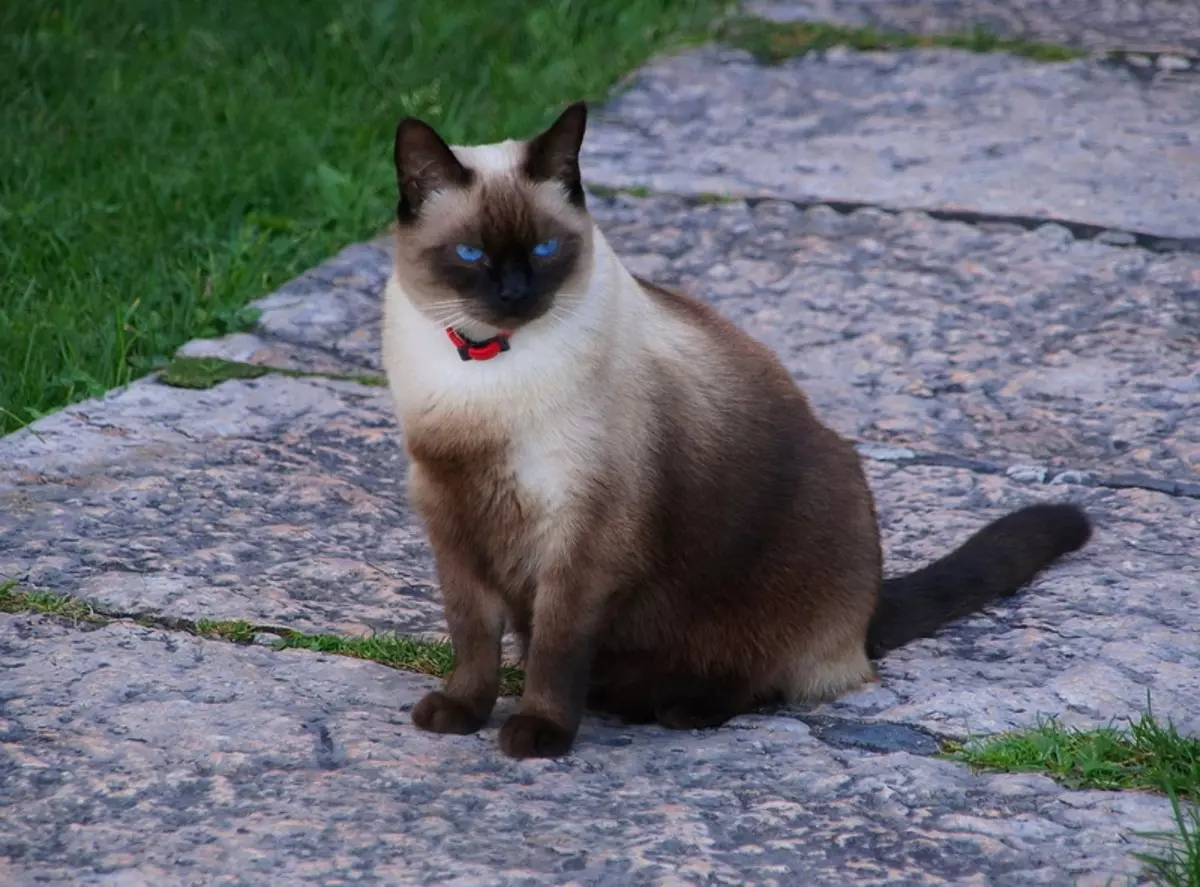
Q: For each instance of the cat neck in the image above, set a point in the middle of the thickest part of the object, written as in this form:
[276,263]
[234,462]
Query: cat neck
[547,361]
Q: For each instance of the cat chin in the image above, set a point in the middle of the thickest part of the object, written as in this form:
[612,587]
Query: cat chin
[480,326]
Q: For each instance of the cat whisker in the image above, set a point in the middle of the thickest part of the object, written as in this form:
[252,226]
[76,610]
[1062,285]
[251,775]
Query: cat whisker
[449,306]
[452,315]
[563,316]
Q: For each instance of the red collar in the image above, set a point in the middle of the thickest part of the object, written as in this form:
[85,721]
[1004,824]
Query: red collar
[485,350]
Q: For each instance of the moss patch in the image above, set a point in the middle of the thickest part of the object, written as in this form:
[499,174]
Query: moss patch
[208,372]
[774,42]
[235,630]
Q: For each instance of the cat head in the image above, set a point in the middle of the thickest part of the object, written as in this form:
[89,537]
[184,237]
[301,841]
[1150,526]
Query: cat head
[492,236]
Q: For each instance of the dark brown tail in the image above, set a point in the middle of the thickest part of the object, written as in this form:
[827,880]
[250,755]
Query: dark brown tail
[994,563]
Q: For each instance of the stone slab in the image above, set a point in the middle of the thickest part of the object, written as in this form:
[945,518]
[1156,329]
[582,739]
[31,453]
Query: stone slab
[277,500]
[995,344]
[132,756]
[986,342]
[1148,25]
[930,129]
[1039,362]
[282,502]
[1097,636]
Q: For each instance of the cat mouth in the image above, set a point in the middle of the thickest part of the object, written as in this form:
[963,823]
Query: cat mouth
[493,319]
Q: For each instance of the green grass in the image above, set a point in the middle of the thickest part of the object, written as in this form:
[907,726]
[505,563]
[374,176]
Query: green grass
[163,162]
[1146,755]
[774,42]
[207,372]
[427,657]
[1176,861]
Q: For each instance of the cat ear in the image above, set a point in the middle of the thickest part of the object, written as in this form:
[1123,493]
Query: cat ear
[424,164]
[554,155]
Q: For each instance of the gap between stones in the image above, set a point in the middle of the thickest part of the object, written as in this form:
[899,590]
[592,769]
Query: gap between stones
[417,655]
[1084,231]
[428,657]
[1029,474]
[1147,756]
[207,372]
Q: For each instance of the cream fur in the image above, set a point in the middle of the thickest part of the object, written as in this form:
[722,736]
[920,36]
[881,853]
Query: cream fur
[552,396]
[568,400]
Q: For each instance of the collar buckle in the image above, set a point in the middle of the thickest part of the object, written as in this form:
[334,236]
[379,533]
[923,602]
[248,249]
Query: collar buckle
[485,350]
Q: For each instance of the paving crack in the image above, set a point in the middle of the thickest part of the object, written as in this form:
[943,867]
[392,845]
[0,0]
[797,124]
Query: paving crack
[1084,231]
[773,40]
[207,372]
[413,654]
[1031,474]
[424,657]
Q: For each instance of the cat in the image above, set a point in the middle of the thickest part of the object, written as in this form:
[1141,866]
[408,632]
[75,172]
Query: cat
[629,481]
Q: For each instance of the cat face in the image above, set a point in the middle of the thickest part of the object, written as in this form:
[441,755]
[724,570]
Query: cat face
[492,236]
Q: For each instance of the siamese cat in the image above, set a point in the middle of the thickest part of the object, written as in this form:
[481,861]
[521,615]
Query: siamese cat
[631,482]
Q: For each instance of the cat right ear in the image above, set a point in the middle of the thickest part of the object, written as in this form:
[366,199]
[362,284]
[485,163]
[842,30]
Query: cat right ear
[424,164]
[554,154]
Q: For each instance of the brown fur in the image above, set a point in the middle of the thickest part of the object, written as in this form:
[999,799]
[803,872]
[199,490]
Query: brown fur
[677,539]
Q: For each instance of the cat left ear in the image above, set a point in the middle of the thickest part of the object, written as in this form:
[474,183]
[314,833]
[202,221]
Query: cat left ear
[554,155]
[424,164]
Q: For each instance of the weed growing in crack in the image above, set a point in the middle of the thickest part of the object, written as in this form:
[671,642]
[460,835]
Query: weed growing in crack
[15,599]
[426,657]
[208,372]
[433,658]
[236,630]
[1146,755]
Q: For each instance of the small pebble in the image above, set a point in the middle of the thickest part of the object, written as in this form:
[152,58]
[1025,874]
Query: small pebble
[1174,63]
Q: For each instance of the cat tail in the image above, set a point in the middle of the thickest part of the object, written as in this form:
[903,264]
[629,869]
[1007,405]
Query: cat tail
[994,563]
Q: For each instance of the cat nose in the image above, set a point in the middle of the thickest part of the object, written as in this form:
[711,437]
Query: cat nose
[514,286]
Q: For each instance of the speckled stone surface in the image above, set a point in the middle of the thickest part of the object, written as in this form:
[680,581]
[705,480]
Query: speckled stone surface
[133,756]
[979,367]
[1018,347]
[300,521]
[992,133]
[1014,347]
[1150,25]
[1087,641]
[278,501]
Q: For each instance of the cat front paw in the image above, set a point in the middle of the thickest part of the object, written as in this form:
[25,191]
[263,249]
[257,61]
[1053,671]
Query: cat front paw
[438,713]
[531,736]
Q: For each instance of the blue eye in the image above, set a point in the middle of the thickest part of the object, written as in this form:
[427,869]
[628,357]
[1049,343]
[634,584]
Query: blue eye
[546,248]
[468,253]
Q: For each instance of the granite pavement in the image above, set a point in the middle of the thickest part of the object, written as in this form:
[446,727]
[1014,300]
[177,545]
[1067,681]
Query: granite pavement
[983,270]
